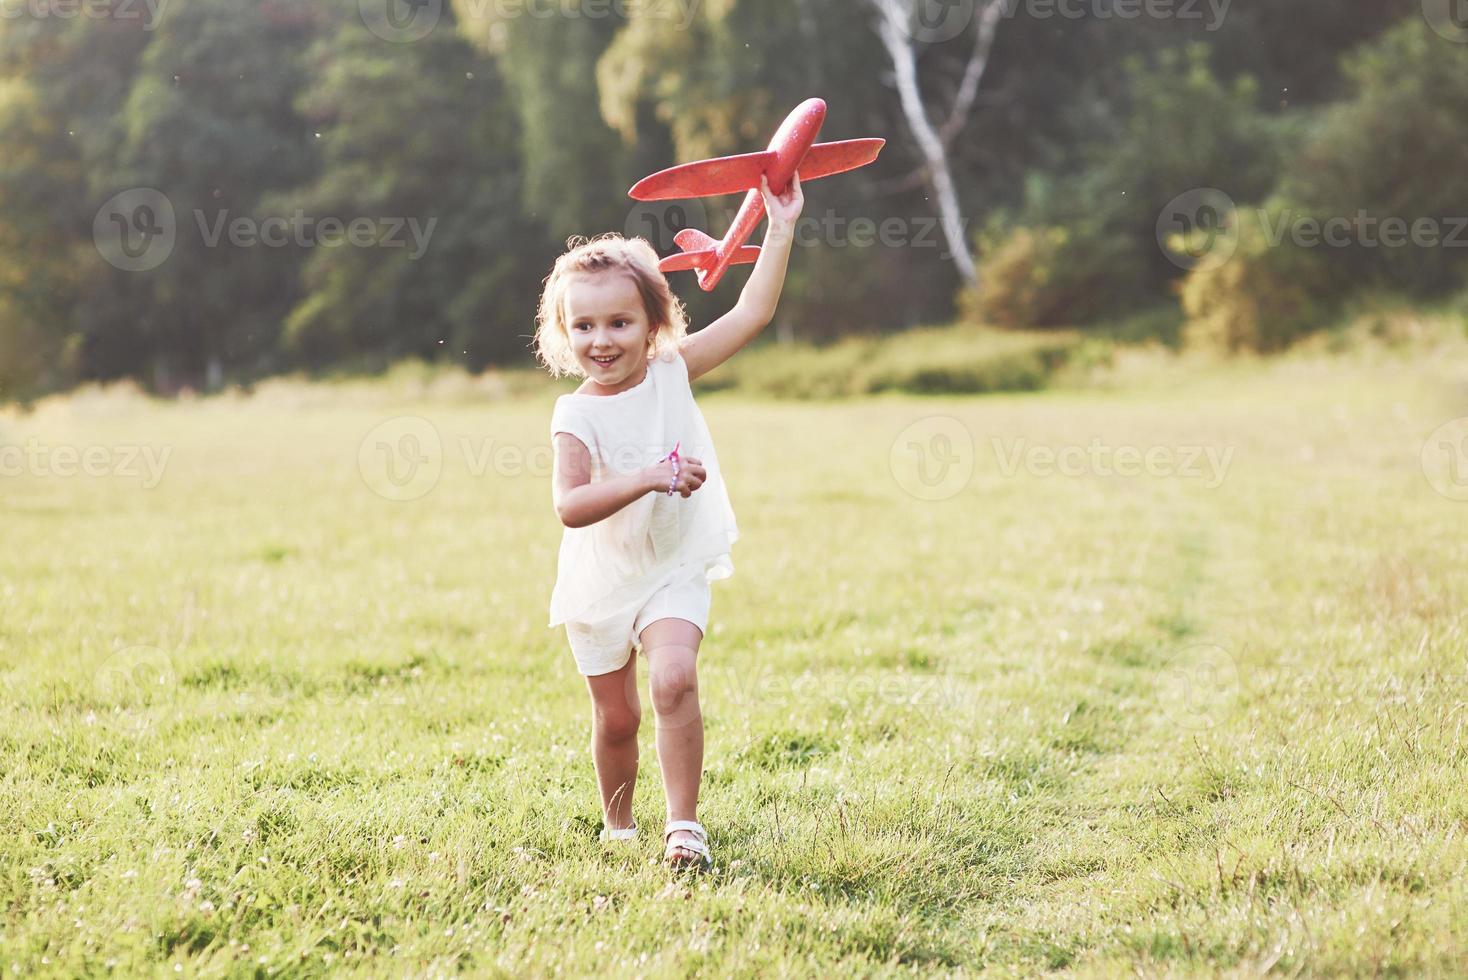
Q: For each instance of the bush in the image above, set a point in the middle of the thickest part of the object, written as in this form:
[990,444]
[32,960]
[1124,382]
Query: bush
[950,360]
[1083,246]
[960,361]
[1029,278]
[1161,324]
[1263,296]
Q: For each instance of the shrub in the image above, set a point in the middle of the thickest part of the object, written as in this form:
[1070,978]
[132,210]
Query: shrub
[1262,297]
[922,361]
[921,373]
[1022,280]
[1082,247]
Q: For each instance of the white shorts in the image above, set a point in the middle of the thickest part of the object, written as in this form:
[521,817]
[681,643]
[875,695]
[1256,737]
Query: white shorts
[600,648]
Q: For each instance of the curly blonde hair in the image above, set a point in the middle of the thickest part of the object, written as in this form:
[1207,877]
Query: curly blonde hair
[606,253]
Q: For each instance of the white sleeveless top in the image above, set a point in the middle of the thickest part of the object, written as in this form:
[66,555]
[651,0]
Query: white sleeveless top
[615,565]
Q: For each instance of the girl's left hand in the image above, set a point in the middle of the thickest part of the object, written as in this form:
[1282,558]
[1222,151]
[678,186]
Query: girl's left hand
[783,210]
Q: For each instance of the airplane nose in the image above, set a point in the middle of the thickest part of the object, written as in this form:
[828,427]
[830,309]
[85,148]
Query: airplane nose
[815,108]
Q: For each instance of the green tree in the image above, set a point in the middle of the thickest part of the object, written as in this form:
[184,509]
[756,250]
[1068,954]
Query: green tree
[1393,150]
[210,123]
[421,133]
[576,171]
[1085,244]
[62,83]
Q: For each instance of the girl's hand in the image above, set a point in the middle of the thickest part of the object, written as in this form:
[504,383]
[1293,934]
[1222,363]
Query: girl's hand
[783,210]
[691,475]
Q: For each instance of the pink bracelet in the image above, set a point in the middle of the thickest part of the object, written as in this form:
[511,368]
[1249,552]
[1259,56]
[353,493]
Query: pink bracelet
[674,457]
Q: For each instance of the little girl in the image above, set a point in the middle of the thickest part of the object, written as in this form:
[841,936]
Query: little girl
[638,487]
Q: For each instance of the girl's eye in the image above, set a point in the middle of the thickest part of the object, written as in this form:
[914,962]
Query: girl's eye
[621,323]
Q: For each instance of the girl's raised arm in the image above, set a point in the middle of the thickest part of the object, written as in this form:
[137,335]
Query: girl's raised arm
[726,336]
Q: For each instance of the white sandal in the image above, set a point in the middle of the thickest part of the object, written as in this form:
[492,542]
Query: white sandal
[698,844]
[619,833]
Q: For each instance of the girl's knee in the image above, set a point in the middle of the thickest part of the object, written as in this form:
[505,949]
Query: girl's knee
[616,723]
[616,711]
[674,682]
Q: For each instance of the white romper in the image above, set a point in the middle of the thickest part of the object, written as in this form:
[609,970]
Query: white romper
[607,572]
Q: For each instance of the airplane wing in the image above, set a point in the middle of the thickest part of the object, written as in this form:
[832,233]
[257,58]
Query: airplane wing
[706,178]
[825,159]
[735,175]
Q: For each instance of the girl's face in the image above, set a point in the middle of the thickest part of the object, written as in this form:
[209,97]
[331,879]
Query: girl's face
[609,329]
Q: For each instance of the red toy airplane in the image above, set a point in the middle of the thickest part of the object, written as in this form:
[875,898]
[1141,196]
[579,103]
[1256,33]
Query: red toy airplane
[793,150]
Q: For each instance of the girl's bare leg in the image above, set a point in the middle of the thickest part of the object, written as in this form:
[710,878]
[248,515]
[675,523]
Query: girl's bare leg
[615,716]
[671,646]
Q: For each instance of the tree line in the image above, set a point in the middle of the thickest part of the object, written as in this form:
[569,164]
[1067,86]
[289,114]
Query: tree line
[204,192]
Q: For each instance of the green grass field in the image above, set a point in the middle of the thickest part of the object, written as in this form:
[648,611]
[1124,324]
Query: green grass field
[965,711]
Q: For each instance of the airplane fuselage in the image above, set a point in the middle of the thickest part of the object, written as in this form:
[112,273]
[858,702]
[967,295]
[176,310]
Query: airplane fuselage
[796,135]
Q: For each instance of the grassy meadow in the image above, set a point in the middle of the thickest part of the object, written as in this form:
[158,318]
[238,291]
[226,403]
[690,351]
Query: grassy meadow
[285,703]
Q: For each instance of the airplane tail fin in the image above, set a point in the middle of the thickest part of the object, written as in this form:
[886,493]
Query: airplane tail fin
[700,252]
[693,240]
